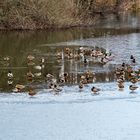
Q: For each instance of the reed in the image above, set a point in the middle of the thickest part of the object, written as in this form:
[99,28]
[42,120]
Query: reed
[41,14]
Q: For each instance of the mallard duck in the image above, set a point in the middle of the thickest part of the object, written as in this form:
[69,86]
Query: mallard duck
[42,60]
[103,61]
[133,80]
[30,75]
[123,64]
[62,79]
[56,88]
[89,74]
[95,90]
[85,61]
[51,85]
[134,61]
[10,75]
[131,57]
[30,57]
[59,55]
[7,58]
[129,69]
[84,81]
[66,74]
[83,77]
[10,82]
[38,74]
[18,88]
[67,50]
[49,77]
[121,85]
[32,92]
[30,63]
[39,67]
[118,72]
[81,85]
[133,87]
[120,80]
[99,53]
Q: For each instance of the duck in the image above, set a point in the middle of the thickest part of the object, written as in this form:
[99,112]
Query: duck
[30,75]
[30,63]
[83,77]
[7,58]
[133,80]
[89,74]
[66,74]
[123,65]
[84,81]
[103,61]
[59,55]
[131,57]
[39,67]
[121,85]
[67,50]
[56,88]
[10,82]
[134,61]
[18,88]
[85,61]
[62,79]
[133,87]
[10,75]
[119,72]
[120,80]
[49,77]
[81,85]
[42,60]
[95,90]
[32,92]
[38,74]
[51,85]
[30,57]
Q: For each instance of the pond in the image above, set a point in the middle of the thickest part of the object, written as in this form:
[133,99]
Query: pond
[120,37]
[27,57]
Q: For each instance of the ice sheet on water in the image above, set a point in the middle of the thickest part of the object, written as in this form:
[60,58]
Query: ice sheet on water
[122,46]
[72,94]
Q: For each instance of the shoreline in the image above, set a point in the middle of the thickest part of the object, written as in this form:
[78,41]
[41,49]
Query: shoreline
[90,22]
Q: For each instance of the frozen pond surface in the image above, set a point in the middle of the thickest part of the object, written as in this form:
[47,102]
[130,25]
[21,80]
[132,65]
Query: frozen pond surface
[73,114]
[122,46]
[112,115]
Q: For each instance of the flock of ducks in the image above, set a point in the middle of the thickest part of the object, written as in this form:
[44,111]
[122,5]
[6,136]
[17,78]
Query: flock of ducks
[126,72]
[123,73]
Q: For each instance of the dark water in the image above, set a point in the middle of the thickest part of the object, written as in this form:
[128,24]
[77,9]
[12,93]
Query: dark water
[16,46]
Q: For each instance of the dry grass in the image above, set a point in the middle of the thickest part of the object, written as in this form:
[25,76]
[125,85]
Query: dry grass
[40,14]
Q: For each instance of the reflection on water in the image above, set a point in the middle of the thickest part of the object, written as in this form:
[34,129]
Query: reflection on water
[15,47]
[122,20]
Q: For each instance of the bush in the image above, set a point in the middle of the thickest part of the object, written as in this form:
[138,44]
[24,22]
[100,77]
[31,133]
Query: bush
[39,14]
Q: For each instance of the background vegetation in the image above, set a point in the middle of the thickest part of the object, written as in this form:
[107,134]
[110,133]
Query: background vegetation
[40,14]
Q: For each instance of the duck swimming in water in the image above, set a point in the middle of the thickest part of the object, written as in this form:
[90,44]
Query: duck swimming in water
[30,76]
[30,57]
[10,75]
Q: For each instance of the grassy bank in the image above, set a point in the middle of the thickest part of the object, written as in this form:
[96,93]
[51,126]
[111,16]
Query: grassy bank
[40,14]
